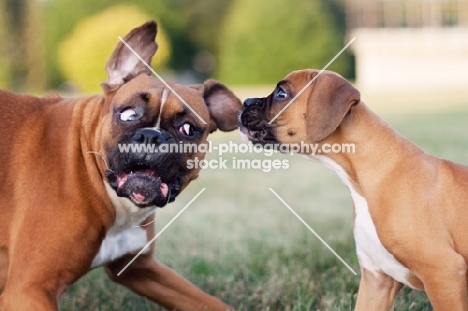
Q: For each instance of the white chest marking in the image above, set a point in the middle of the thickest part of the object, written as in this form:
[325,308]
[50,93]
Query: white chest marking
[123,237]
[117,245]
[371,253]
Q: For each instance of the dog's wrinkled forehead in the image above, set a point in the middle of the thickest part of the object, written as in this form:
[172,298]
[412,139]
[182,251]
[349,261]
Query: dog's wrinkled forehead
[158,97]
[299,79]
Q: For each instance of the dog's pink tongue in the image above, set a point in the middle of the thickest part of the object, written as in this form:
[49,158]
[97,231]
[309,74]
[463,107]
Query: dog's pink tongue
[164,189]
[139,197]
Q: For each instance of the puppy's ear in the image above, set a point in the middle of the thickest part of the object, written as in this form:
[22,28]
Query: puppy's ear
[123,65]
[223,105]
[330,100]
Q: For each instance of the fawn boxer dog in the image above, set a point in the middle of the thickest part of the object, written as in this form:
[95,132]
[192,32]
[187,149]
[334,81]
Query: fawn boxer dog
[410,208]
[71,201]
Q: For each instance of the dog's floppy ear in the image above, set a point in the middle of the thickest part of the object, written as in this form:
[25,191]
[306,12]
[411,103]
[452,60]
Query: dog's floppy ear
[123,65]
[330,100]
[223,105]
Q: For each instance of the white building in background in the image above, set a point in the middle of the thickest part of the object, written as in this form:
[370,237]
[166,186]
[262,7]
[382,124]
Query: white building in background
[411,45]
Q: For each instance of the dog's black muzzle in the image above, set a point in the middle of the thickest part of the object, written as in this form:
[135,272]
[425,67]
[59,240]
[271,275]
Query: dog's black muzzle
[253,114]
[254,122]
[146,167]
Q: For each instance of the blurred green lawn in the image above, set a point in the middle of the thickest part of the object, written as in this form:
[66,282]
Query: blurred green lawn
[238,242]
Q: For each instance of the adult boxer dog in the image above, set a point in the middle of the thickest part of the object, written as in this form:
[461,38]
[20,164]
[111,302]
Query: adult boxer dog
[71,201]
[410,208]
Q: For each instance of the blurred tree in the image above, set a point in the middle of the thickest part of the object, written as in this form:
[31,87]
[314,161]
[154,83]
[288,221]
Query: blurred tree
[192,26]
[60,18]
[34,44]
[83,55]
[263,40]
[15,11]
[21,45]
[4,59]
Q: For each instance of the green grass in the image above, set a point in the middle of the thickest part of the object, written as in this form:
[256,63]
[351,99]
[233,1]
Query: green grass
[238,242]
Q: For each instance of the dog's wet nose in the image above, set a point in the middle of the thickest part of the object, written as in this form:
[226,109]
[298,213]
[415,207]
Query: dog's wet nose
[149,136]
[252,101]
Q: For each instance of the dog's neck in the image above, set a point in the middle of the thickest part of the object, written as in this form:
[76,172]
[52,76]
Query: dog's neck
[89,109]
[67,114]
[375,156]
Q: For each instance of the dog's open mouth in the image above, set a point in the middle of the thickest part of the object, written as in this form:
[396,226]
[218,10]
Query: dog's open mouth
[254,135]
[260,136]
[143,186]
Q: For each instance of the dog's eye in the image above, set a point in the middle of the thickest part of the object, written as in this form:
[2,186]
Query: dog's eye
[187,130]
[128,114]
[280,93]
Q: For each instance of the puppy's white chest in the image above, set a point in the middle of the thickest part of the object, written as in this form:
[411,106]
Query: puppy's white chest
[117,245]
[125,235]
[371,253]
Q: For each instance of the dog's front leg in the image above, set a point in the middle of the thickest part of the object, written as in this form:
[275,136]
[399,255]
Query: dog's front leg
[377,291]
[46,255]
[149,278]
[33,298]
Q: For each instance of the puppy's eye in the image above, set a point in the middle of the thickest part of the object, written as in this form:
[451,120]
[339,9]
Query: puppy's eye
[128,114]
[280,93]
[187,130]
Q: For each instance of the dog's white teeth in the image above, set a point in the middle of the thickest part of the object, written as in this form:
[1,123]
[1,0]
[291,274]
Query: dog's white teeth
[187,128]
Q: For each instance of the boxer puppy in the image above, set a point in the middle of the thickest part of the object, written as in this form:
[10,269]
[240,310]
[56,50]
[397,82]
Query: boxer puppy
[71,200]
[410,208]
